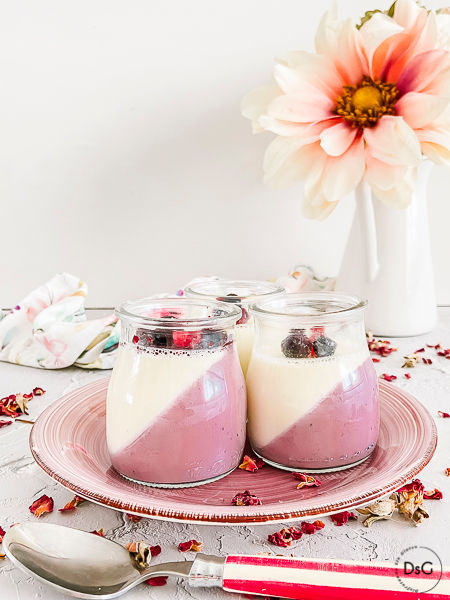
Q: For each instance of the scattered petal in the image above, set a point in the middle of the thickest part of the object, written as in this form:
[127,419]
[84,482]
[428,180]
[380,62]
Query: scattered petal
[251,464]
[410,361]
[419,350]
[311,528]
[42,505]
[2,556]
[381,347]
[5,423]
[433,495]
[38,391]
[98,532]
[447,471]
[72,505]
[409,500]
[139,552]
[287,535]
[387,377]
[190,546]
[134,518]
[306,480]
[444,415]
[246,499]
[427,361]
[381,509]
[2,533]
[343,517]
[157,581]
[375,360]
[155,550]
[408,375]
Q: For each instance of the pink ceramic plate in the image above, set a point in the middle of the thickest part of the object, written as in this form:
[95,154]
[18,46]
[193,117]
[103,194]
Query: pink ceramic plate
[68,442]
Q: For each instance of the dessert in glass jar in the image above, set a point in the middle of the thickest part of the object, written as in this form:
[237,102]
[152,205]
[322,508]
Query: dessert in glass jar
[311,384]
[176,402]
[243,293]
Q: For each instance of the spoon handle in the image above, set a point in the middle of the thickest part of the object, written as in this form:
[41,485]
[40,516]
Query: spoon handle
[344,580]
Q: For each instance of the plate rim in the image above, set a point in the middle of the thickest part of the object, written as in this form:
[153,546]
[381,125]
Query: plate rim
[231,519]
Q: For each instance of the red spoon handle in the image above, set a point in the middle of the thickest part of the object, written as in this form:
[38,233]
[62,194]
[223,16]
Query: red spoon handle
[343,580]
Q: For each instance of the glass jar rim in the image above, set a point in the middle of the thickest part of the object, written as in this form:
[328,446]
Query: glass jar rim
[225,315]
[253,288]
[339,306]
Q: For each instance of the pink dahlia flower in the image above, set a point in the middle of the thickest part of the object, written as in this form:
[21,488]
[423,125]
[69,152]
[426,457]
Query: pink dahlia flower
[367,106]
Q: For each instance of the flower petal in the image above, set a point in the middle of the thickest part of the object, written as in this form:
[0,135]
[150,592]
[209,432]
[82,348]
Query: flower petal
[381,174]
[254,104]
[435,143]
[288,160]
[314,203]
[406,12]
[378,28]
[422,70]
[316,69]
[419,109]
[301,108]
[337,139]
[342,174]
[398,196]
[393,141]
[437,153]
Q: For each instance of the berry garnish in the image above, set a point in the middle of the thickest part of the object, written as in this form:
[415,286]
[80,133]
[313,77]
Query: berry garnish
[324,346]
[184,339]
[212,339]
[296,345]
[244,318]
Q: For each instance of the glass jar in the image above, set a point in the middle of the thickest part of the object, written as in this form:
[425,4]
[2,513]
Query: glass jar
[176,403]
[243,293]
[311,384]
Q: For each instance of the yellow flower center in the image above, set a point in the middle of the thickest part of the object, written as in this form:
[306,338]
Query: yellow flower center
[362,105]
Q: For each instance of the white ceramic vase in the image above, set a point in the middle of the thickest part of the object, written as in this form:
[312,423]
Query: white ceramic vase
[388,262]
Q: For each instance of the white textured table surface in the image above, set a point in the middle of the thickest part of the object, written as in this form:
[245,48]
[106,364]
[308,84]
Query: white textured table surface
[22,481]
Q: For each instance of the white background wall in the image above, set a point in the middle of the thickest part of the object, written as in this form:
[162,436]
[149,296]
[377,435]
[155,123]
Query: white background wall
[124,158]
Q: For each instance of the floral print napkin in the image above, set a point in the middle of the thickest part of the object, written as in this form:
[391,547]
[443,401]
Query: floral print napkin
[49,329]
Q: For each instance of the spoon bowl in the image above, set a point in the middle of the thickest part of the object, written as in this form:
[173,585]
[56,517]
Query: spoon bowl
[79,563]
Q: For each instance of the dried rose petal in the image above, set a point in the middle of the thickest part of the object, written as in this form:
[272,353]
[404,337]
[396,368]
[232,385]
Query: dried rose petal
[2,533]
[134,518]
[42,505]
[155,550]
[76,500]
[190,546]
[246,499]
[139,551]
[375,360]
[5,423]
[381,509]
[427,361]
[444,415]
[311,528]
[447,471]
[283,538]
[38,391]
[343,517]
[433,495]
[21,403]
[28,396]
[387,377]
[419,350]
[410,361]
[98,532]
[2,556]
[251,464]
[408,375]
[306,480]
[409,499]
[157,581]
[436,346]
[380,347]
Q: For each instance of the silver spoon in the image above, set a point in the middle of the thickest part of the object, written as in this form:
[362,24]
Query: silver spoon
[84,565]
[89,566]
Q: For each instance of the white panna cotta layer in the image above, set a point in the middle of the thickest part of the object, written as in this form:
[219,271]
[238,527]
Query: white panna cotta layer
[144,385]
[280,391]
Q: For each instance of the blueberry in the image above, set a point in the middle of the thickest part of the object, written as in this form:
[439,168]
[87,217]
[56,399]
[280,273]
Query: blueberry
[230,298]
[296,345]
[212,339]
[324,346]
[154,339]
